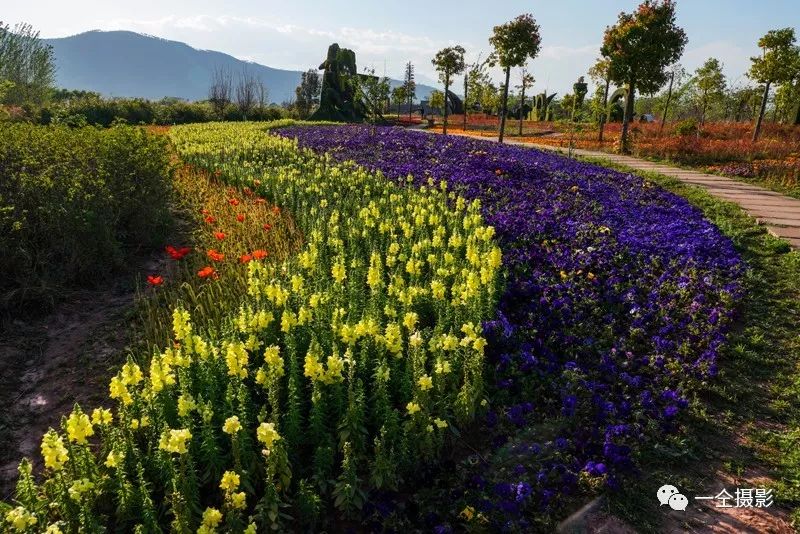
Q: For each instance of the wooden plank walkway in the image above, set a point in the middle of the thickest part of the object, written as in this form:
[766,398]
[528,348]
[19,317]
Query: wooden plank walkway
[779,213]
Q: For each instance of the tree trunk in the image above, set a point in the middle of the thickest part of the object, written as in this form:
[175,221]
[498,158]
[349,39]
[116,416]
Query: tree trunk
[666,105]
[464,126]
[628,117]
[760,118]
[446,88]
[703,113]
[522,108]
[604,115]
[504,109]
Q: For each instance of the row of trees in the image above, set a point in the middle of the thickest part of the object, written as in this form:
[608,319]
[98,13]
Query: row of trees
[246,91]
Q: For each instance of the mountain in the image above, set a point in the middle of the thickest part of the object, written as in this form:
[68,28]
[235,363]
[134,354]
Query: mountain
[129,64]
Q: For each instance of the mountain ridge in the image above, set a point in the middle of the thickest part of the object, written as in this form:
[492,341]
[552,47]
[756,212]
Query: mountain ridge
[123,63]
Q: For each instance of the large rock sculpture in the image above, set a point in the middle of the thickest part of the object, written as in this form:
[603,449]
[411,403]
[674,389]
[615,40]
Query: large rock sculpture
[340,99]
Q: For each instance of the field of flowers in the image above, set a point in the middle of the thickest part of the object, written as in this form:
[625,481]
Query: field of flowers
[344,368]
[618,298]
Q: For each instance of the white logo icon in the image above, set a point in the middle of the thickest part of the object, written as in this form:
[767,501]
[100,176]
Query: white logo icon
[670,495]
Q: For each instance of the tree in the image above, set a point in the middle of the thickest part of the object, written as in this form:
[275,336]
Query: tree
[376,90]
[409,86]
[776,65]
[526,80]
[601,75]
[307,93]
[709,84]
[639,47]
[246,93]
[399,96]
[448,62]
[675,72]
[26,65]
[219,92]
[436,100]
[514,43]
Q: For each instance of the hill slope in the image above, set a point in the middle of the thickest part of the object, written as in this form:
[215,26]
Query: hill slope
[123,63]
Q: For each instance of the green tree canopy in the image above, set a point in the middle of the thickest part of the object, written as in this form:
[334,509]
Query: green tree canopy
[514,42]
[448,62]
[639,47]
[778,63]
[27,63]
[709,84]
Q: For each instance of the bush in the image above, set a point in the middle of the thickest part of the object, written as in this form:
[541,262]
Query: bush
[73,202]
[686,127]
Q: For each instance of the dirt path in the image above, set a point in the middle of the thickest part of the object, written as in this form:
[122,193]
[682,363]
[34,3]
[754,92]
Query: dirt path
[48,364]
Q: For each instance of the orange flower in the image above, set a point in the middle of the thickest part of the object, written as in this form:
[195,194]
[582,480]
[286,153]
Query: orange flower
[219,235]
[260,200]
[210,220]
[205,211]
[256,182]
[245,258]
[207,271]
[247,191]
[259,254]
[276,210]
[267,227]
[154,280]
[498,172]
[213,255]
[240,217]
[233,202]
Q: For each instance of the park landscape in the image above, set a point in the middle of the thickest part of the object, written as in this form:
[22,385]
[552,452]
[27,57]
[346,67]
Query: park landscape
[360,311]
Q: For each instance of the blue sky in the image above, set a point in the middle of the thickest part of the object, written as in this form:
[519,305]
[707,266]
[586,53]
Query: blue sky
[295,33]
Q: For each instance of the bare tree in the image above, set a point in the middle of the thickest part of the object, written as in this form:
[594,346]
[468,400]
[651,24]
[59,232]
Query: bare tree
[263,94]
[246,92]
[219,92]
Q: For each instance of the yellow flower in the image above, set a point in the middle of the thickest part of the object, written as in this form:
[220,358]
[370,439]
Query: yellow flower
[439,423]
[338,272]
[79,487]
[181,324]
[412,408]
[101,416]
[410,320]
[425,382]
[53,450]
[251,529]
[175,441]
[267,434]
[117,390]
[135,423]
[442,367]
[131,374]
[273,357]
[238,500]
[230,481]
[20,519]
[236,358]
[232,425]
[479,343]
[211,517]
[468,513]
[415,340]
[114,458]
[53,528]
[79,427]
[185,405]
[335,367]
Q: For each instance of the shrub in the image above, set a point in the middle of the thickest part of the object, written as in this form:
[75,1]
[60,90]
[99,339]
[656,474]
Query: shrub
[73,202]
[686,127]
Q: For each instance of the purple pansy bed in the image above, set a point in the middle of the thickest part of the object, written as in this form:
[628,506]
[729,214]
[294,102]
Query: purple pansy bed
[618,296]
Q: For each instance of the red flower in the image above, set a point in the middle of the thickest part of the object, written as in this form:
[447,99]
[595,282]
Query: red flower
[210,220]
[177,253]
[267,227]
[259,254]
[219,235]
[247,191]
[498,172]
[213,255]
[205,211]
[154,280]
[233,202]
[240,217]
[207,271]
[245,258]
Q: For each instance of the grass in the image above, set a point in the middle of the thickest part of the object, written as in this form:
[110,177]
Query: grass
[748,419]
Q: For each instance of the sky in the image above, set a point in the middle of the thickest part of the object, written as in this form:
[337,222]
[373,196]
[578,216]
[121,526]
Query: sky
[295,34]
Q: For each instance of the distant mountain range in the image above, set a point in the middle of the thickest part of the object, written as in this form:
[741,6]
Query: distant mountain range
[129,64]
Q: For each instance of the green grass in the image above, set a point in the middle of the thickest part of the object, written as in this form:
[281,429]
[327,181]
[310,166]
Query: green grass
[749,416]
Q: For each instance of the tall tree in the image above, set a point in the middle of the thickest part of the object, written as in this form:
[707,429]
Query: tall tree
[307,93]
[448,62]
[514,42]
[436,100]
[601,75]
[219,92]
[399,96]
[246,92]
[410,86]
[526,81]
[709,84]
[26,65]
[676,72]
[639,47]
[776,64]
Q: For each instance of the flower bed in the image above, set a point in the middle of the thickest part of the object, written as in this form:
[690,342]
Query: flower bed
[618,298]
[346,367]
